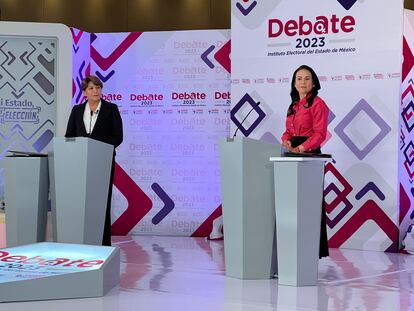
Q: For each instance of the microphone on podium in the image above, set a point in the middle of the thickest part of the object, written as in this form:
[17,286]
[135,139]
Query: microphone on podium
[241,123]
[90,123]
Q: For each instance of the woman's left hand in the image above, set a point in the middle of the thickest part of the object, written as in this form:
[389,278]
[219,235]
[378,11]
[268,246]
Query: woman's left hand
[298,149]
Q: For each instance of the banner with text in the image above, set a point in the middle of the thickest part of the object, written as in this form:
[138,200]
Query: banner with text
[358,62]
[27,95]
[173,91]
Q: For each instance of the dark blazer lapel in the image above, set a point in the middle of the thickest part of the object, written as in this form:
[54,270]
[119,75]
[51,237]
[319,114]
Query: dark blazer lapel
[81,124]
[103,112]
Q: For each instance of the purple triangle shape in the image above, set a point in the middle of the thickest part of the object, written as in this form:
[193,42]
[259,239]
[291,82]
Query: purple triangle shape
[246,11]
[347,4]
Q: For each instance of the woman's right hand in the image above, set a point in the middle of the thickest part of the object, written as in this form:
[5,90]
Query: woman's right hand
[287,144]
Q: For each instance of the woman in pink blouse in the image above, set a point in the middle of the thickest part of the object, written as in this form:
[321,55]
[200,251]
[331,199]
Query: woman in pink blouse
[306,125]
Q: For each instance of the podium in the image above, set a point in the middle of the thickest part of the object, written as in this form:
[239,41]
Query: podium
[248,207]
[298,204]
[26,196]
[80,170]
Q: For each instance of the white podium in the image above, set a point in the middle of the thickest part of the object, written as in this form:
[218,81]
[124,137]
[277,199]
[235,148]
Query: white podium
[80,170]
[26,194]
[248,207]
[298,203]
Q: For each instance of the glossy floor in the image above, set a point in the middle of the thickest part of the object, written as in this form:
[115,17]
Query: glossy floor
[180,273]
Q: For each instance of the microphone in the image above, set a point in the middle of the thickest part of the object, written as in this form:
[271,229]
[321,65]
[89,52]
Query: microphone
[90,123]
[241,123]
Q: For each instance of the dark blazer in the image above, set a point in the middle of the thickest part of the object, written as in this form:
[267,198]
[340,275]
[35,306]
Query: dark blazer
[108,126]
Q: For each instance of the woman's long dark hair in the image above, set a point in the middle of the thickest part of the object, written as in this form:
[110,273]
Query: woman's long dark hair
[294,94]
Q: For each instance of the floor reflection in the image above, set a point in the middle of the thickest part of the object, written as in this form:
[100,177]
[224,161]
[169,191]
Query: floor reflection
[166,265]
[181,273]
[132,254]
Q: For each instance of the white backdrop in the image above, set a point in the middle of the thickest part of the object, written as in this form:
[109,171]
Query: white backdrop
[357,57]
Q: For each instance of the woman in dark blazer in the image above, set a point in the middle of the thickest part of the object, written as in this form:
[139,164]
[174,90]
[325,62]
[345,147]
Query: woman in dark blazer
[100,120]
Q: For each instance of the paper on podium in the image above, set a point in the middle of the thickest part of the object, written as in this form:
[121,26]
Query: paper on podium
[15,153]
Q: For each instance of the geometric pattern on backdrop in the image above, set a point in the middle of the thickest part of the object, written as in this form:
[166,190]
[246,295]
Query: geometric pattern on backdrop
[81,62]
[222,56]
[347,125]
[103,63]
[338,196]
[406,135]
[369,211]
[252,105]
[244,8]
[250,14]
[347,4]
[139,204]
[340,199]
[359,189]
[27,95]
[159,190]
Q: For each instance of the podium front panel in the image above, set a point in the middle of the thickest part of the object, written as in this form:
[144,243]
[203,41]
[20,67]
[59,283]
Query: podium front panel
[80,173]
[26,196]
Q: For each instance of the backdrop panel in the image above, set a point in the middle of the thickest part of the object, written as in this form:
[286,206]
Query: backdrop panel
[173,91]
[358,61]
[81,62]
[406,160]
[35,71]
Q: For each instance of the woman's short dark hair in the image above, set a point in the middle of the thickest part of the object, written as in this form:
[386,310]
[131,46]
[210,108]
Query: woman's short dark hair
[94,79]
[294,94]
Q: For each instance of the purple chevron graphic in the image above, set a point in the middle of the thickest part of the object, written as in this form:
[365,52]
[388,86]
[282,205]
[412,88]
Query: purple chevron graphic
[93,37]
[27,57]
[370,187]
[17,96]
[22,58]
[105,78]
[347,4]
[13,58]
[348,206]
[76,49]
[7,57]
[18,127]
[80,71]
[402,140]
[205,54]
[246,11]
[168,204]
[78,82]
